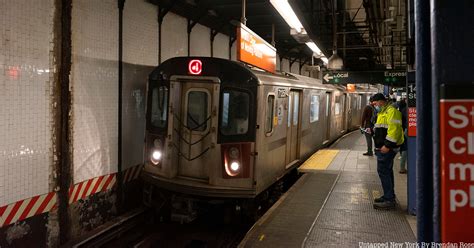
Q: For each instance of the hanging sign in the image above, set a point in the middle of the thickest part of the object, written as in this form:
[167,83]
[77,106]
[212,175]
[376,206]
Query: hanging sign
[457,163]
[252,49]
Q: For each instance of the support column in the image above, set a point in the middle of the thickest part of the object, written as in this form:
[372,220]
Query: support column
[62,135]
[424,152]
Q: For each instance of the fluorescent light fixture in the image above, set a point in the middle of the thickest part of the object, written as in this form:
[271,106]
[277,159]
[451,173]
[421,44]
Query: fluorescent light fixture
[313,47]
[285,10]
[325,60]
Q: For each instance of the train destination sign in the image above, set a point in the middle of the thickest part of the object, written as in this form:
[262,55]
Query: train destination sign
[254,50]
[365,77]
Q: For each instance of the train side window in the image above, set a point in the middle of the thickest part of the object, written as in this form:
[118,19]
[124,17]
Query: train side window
[269,117]
[314,111]
[328,100]
[337,105]
[235,112]
[159,107]
[197,110]
[296,108]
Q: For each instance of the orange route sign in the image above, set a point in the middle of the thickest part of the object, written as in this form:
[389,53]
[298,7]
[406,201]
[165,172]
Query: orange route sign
[252,49]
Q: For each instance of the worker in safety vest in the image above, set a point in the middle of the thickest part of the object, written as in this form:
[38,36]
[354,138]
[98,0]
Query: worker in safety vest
[388,138]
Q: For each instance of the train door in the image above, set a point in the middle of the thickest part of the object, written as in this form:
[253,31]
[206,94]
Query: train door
[328,117]
[293,126]
[194,115]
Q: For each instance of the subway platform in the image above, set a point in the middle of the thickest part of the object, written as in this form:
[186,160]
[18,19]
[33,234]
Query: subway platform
[331,204]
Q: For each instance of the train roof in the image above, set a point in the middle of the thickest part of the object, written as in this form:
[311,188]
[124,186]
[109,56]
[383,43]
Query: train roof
[229,71]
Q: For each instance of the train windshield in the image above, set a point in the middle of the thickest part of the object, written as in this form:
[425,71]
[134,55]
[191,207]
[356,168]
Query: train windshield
[159,107]
[235,112]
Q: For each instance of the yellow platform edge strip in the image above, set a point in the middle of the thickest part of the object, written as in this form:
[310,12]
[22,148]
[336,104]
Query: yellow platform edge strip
[320,160]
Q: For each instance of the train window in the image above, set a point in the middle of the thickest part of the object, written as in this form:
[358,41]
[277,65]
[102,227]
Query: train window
[235,112]
[270,113]
[197,110]
[337,108]
[328,96]
[337,105]
[159,107]
[314,111]
[290,101]
[296,108]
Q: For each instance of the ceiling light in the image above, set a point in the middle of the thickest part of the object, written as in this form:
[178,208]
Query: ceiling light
[335,62]
[314,47]
[325,60]
[285,10]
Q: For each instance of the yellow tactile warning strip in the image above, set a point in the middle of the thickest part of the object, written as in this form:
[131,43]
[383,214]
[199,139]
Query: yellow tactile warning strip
[320,160]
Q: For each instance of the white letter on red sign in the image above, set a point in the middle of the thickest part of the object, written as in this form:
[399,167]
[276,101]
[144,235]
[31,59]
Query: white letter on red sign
[452,145]
[464,120]
[453,204]
[470,143]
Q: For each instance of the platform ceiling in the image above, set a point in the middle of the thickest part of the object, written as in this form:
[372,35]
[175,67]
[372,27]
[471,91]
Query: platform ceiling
[370,34]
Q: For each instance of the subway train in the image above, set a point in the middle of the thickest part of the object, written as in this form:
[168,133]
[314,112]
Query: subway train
[219,129]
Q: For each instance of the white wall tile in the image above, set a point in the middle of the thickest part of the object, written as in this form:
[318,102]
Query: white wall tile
[140,33]
[221,46]
[285,65]
[94,88]
[295,68]
[200,41]
[25,89]
[174,37]
[140,49]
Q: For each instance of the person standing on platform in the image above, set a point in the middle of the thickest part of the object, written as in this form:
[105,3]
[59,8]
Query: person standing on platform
[367,125]
[388,137]
[402,107]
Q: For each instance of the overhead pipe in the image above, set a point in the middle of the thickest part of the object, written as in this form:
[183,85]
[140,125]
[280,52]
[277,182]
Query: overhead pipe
[243,19]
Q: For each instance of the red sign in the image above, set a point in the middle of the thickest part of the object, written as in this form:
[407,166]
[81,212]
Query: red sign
[254,50]
[457,170]
[412,122]
[195,67]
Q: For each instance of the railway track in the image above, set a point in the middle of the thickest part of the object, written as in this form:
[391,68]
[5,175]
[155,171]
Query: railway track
[216,226]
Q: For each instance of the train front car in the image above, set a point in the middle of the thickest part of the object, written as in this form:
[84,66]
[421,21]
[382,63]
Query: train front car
[200,130]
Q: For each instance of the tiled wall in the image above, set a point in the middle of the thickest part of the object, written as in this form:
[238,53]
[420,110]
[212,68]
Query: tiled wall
[25,89]
[140,33]
[175,37]
[285,65]
[295,68]
[200,41]
[25,83]
[140,56]
[94,88]
[221,46]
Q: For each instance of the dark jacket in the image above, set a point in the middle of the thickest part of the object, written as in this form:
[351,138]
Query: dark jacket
[367,117]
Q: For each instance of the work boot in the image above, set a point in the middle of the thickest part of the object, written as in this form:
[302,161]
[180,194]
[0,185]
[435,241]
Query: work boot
[385,205]
[380,199]
[368,154]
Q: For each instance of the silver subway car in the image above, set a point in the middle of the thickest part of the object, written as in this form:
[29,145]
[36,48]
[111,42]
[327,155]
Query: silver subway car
[216,128]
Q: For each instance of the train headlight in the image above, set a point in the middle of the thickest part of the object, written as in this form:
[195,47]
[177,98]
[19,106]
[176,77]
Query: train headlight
[156,152]
[235,166]
[156,157]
